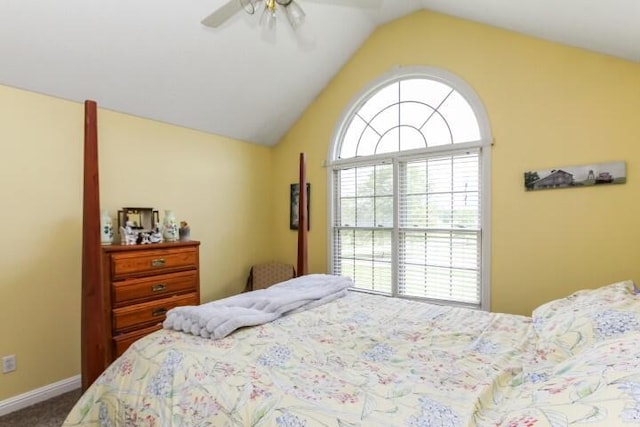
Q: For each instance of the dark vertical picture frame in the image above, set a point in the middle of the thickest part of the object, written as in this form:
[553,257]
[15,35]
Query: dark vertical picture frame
[293,206]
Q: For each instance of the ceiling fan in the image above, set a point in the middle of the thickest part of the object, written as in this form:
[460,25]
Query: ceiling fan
[292,10]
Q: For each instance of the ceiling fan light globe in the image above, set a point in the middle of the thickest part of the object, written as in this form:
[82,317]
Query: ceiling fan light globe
[248,6]
[295,14]
[268,18]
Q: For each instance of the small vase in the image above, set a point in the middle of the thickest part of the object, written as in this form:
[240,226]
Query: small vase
[170,227]
[106,228]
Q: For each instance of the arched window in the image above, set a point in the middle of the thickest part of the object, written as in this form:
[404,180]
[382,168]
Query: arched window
[409,189]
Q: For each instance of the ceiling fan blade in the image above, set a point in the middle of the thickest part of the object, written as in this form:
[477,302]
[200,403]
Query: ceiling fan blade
[364,4]
[221,15]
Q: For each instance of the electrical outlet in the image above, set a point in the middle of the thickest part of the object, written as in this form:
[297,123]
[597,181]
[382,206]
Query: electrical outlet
[8,364]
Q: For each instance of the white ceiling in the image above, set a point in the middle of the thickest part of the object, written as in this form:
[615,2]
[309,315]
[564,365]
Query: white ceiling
[153,58]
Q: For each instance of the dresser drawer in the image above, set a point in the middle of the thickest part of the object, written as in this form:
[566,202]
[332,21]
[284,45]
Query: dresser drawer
[139,315]
[125,291]
[123,341]
[131,264]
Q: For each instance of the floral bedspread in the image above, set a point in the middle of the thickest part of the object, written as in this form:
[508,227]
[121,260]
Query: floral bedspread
[364,360]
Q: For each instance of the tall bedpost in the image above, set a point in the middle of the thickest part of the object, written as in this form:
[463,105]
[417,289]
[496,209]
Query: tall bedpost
[92,347]
[303,264]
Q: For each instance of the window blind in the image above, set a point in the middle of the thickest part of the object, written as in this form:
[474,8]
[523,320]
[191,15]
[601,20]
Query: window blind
[439,228]
[436,238]
[363,245]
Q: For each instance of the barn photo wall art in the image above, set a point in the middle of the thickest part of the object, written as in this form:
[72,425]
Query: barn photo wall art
[576,176]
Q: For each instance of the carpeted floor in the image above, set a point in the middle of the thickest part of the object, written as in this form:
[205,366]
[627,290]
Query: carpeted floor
[50,413]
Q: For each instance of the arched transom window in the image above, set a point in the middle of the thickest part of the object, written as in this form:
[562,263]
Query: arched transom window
[408,189]
[409,114]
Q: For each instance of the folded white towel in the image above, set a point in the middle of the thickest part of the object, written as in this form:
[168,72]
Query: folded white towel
[218,319]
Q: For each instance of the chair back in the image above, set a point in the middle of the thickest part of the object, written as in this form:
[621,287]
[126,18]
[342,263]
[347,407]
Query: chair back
[264,275]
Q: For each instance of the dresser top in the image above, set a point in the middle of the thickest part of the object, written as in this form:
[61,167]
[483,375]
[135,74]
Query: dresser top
[150,246]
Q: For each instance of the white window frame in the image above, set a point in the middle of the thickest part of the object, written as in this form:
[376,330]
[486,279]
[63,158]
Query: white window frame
[484,143]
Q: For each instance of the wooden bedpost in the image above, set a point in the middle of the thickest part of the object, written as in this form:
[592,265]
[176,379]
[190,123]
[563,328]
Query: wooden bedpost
[92,347]
[303,264]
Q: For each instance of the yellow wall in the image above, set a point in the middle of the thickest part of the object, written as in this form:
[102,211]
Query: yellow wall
[549,106]
[219,186]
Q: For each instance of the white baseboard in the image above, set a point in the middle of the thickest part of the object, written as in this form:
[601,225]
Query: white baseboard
[38,395]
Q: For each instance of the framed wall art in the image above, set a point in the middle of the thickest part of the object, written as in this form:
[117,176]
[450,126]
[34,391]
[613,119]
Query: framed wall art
[293,206]
[576,176]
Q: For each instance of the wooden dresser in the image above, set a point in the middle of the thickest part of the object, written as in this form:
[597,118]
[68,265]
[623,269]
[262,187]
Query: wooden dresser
[140,284]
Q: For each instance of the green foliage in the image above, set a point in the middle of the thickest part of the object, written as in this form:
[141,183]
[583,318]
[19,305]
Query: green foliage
[529,178]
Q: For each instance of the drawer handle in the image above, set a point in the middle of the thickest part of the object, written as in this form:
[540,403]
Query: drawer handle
[158,262]
[159,312]
[159,287]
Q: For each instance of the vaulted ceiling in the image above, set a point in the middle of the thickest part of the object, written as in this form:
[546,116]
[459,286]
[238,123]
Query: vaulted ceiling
[153,58]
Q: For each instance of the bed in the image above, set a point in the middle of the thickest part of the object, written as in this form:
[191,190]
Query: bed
[369,360]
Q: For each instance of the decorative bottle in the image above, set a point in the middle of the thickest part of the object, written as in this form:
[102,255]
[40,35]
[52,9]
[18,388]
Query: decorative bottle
[106,228]
[170,227]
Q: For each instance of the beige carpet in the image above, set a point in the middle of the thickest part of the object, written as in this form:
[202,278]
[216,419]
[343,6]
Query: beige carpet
[50,413]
